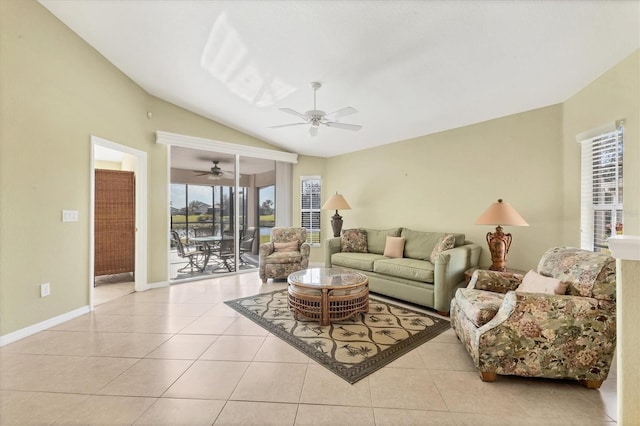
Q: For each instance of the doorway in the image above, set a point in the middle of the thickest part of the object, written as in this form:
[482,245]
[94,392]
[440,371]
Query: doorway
[127,161]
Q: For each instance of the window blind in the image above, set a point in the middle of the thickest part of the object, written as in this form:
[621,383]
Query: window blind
[601,189]
[310,208]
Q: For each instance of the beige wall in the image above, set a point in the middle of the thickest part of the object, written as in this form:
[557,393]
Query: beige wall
[57,91]
[613,96]
[443,182]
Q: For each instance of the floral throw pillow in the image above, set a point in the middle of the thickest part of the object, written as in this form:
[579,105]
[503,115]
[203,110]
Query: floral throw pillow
[446,242]
[353,241]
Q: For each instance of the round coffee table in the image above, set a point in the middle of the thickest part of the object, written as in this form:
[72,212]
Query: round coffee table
[328,294]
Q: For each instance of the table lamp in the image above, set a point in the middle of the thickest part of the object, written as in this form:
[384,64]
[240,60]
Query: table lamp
[336,202]
[500,213]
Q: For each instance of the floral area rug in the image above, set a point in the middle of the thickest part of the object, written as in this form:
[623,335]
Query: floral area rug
[352,349]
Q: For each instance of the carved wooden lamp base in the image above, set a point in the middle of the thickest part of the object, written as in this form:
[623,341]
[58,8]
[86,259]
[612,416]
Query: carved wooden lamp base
[499,244]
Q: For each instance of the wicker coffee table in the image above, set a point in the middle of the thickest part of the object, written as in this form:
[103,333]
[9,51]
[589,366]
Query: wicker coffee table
[328,294]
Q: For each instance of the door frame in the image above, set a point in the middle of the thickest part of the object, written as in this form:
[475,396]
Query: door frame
[238,150]
[140,158]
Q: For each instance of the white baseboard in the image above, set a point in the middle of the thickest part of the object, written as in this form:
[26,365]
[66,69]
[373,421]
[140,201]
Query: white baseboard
[158,284]
[51,322]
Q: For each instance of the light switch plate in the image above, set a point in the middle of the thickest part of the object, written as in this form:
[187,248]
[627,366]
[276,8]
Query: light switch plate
[45,289]
[69,215]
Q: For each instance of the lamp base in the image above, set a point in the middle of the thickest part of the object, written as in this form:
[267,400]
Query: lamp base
[336,224]
[499,244]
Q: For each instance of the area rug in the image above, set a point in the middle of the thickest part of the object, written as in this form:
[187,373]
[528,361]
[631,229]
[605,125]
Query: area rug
[352,349]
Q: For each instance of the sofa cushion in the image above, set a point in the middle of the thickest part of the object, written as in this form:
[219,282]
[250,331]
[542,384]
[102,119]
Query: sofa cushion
[283,257]
[418,244]
[478,305]
[394,247]
[446,242]
[361,261]
[353,241]
[411,269]
[376,239]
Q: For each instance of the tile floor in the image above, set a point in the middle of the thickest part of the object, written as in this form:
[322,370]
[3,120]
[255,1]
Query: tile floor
[178,355]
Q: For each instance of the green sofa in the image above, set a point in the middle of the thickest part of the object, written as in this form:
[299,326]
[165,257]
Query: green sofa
[412,278]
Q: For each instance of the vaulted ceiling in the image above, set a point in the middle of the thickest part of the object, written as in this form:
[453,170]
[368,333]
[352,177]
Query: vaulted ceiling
[410,68]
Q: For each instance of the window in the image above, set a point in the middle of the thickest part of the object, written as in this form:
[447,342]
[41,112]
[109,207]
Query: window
[310,188]
[204,210]
[266,211]
[601,198]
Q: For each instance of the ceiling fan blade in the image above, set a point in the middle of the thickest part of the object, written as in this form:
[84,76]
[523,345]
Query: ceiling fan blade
[293,112]
[285,125]
[343,125]
[313,130]
[201,173]
[340,113]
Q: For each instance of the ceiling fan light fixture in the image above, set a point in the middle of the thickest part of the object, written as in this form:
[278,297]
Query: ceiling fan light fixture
[316,117]
[215,173]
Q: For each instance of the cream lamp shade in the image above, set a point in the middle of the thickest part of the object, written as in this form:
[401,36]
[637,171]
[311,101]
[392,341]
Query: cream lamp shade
[500,213]
[336,202]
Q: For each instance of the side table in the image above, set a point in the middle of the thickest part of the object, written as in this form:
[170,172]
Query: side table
[469,272]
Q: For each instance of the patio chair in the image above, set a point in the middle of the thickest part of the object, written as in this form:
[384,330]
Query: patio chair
[225,255]
[197,259]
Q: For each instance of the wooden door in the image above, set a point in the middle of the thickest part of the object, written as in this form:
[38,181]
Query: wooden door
[114,222]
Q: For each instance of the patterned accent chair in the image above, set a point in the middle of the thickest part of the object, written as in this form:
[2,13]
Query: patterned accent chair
[287,252]
[570,336]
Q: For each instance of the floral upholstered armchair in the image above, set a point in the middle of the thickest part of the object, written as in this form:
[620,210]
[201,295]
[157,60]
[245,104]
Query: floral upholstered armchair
[509,330]
[287,252]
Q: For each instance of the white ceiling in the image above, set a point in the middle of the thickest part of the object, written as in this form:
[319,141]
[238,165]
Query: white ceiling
[410,68]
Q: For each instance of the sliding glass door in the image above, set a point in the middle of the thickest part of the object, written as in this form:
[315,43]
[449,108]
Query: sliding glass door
[218,211]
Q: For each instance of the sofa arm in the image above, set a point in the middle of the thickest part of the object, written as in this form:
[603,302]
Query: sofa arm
[553,336]
[332,246]
[448,272]
[497,282]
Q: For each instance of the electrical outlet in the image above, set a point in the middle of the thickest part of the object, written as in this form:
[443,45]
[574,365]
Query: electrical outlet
[45,290]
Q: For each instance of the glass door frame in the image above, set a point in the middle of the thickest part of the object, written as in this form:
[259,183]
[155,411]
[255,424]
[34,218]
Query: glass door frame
[237,150]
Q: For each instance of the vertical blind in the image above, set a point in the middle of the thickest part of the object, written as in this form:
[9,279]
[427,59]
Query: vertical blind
[310,190]
[284,191]
[601,197]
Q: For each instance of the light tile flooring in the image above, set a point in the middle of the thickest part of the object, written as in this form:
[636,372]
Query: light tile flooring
[178,355]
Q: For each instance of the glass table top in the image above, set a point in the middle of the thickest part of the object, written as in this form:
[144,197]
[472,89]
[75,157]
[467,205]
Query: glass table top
[326,277]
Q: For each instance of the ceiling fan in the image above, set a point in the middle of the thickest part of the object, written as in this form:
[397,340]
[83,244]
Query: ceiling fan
[316,117]
[215,173]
